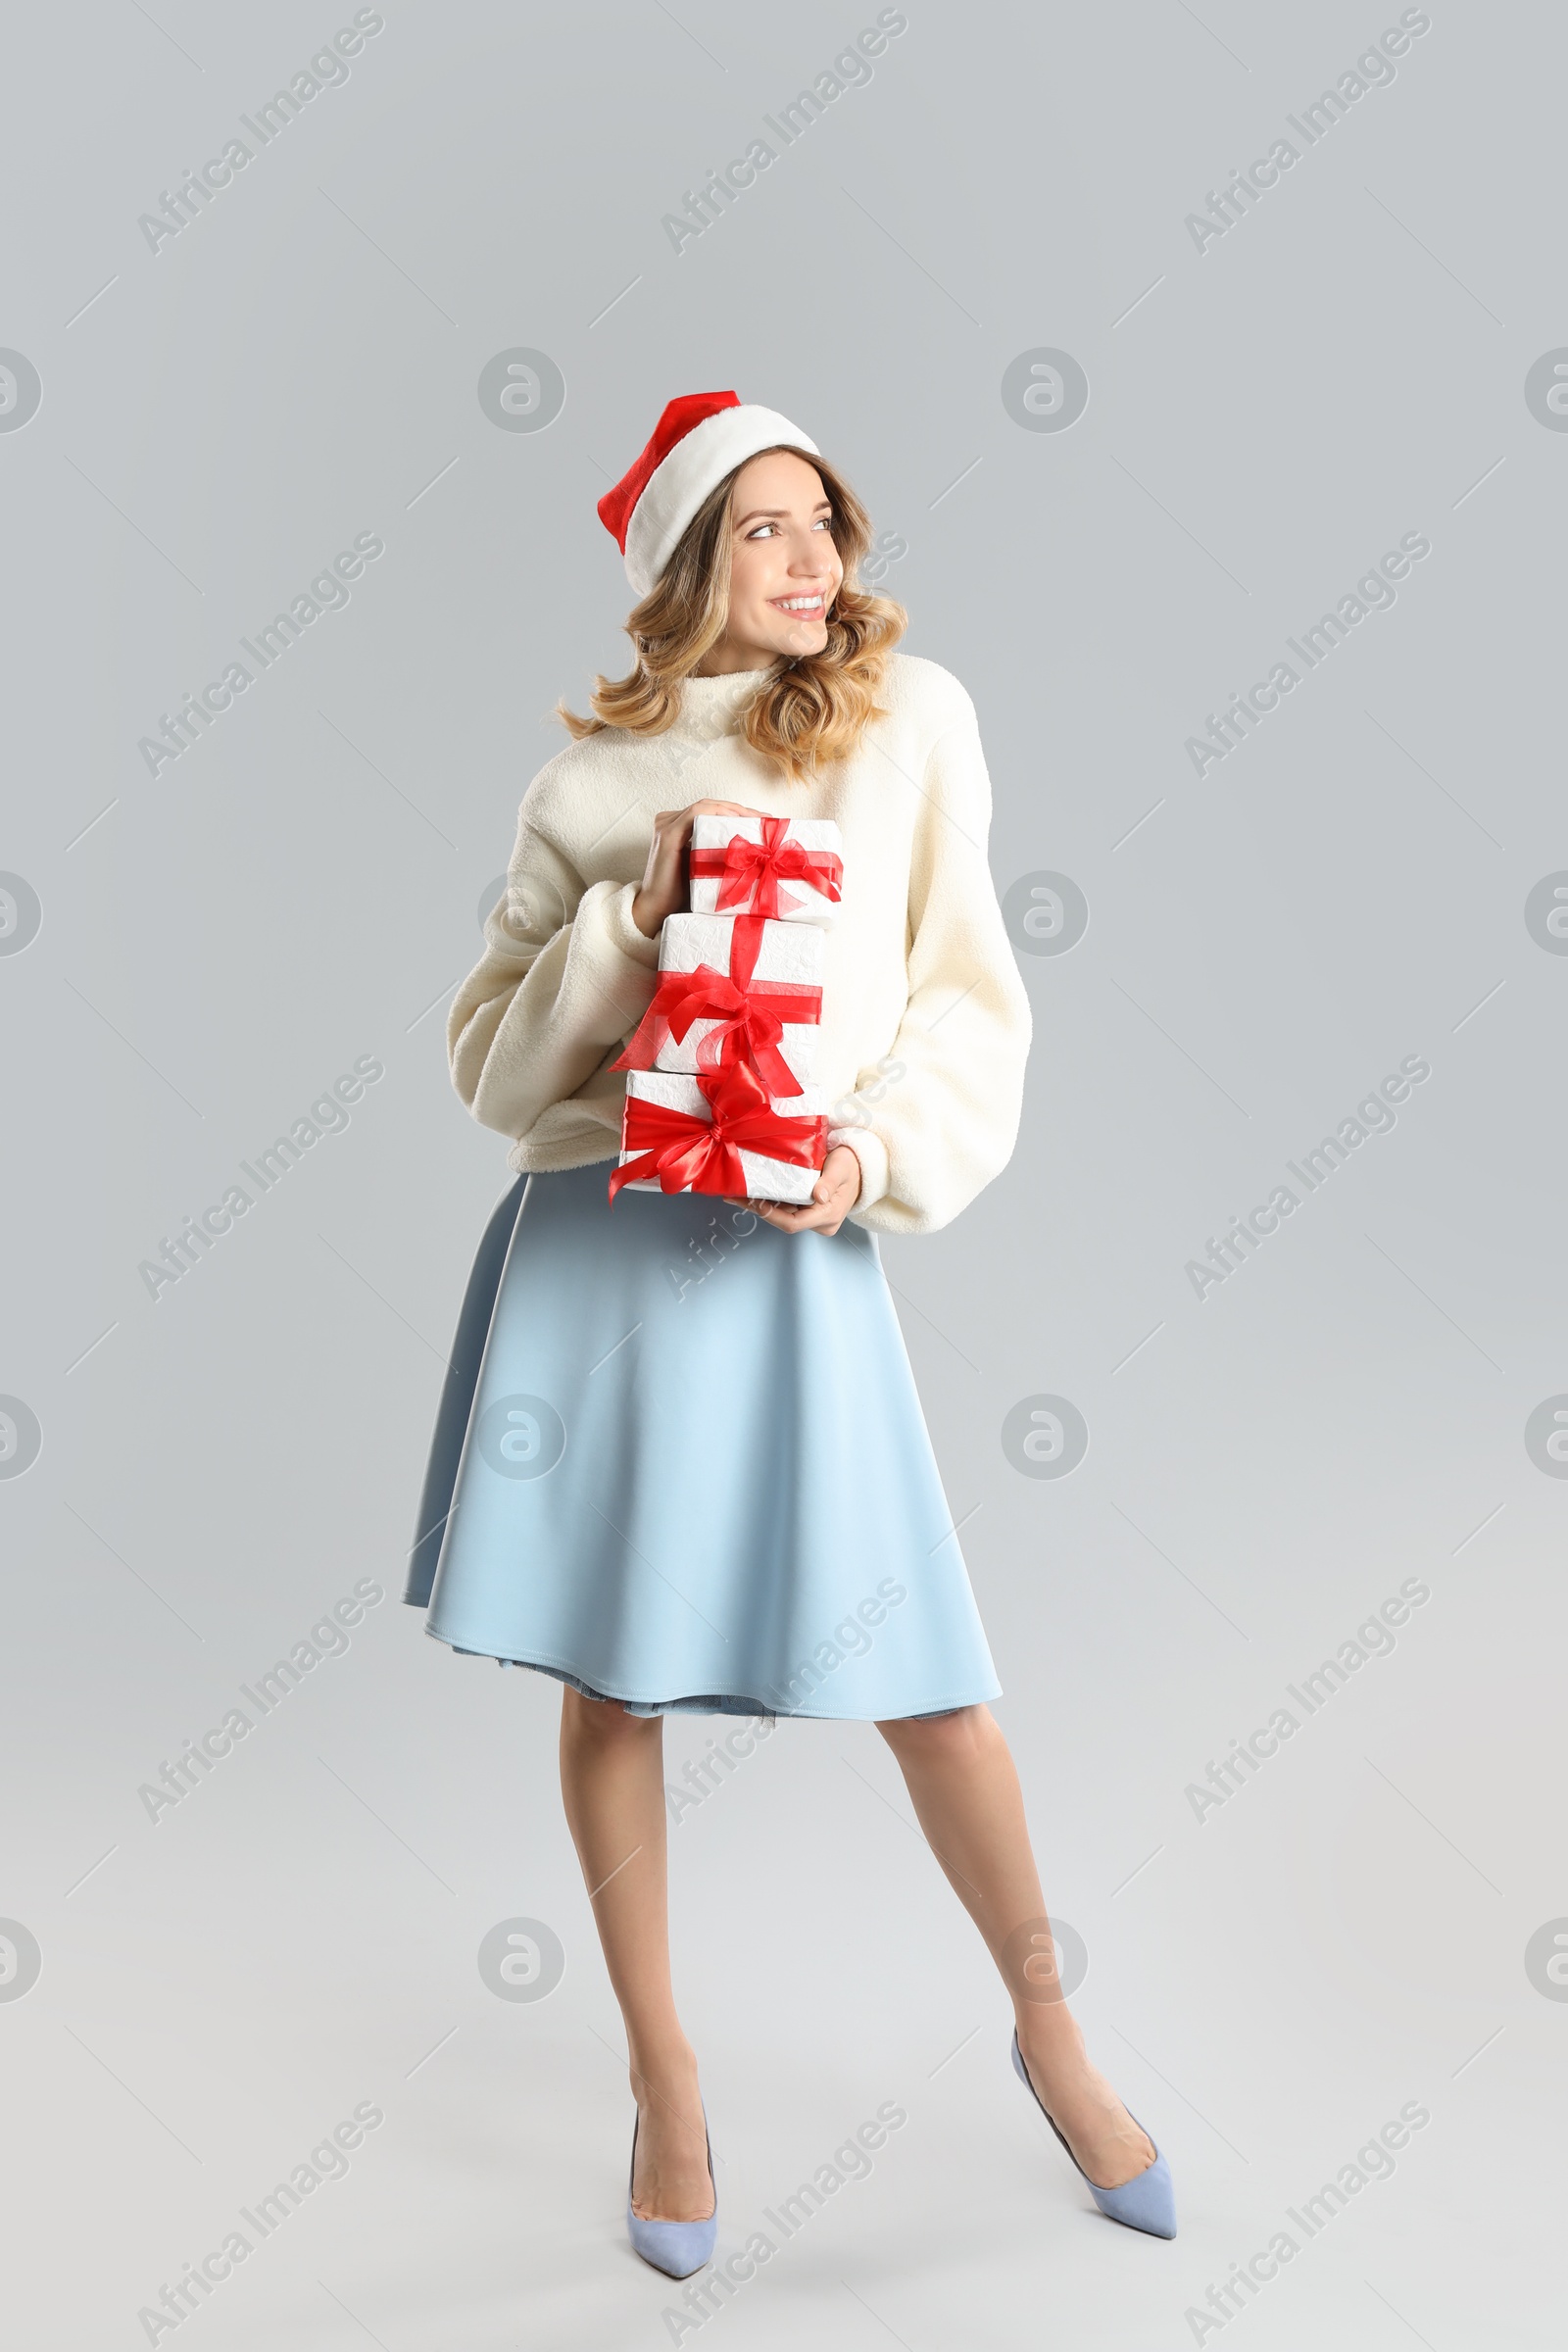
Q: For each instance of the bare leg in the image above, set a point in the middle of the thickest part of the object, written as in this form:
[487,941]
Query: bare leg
[612,1784]
[964,1785]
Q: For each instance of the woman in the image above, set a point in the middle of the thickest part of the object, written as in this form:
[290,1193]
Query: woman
[690,1471]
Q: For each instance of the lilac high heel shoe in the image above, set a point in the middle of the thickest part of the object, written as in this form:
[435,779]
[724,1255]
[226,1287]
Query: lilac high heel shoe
[677,2248]
[1146,2202]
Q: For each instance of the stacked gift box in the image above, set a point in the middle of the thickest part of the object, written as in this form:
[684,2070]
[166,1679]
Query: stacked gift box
[720,1089]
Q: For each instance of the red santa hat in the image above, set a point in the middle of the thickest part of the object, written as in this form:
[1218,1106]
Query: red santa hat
[700,439]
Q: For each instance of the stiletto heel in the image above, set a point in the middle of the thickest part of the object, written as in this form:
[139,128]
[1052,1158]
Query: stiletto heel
[1146,2202]
[677,2248]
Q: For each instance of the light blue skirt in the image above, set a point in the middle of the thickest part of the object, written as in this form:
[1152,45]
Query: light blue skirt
[680,1462]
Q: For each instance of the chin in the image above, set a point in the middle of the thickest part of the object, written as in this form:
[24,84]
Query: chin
[810,638]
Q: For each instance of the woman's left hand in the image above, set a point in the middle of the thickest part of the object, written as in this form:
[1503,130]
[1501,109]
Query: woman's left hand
[833,1196]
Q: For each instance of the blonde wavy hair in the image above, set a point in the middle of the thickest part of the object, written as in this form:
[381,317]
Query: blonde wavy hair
[815,708]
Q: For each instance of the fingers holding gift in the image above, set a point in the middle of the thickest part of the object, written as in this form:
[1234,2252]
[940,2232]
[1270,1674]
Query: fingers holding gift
[663,883]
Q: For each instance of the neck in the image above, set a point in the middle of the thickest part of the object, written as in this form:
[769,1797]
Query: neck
[727,658]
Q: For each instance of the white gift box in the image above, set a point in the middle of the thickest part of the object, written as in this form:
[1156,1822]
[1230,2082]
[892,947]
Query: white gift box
[800,900]
[765,1179]
[790,956]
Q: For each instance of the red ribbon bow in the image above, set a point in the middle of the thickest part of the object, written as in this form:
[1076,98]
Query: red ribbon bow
[749,1028]
[701,1155]
[751,871]
[750,1020]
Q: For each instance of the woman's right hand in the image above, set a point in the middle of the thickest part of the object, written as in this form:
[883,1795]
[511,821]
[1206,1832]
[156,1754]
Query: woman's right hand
[663,884]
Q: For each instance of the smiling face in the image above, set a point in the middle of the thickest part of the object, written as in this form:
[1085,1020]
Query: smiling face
[784,567]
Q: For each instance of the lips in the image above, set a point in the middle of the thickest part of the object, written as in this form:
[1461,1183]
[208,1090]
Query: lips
[805,605]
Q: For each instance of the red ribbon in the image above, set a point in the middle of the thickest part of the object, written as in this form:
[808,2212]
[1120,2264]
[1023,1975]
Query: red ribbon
[749,1027]
[750,1020]
[751,871]
[704,1156]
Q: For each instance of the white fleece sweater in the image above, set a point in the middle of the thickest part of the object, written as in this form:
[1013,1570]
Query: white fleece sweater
[918,972]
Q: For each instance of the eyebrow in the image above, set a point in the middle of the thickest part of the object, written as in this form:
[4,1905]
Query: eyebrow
[778,514]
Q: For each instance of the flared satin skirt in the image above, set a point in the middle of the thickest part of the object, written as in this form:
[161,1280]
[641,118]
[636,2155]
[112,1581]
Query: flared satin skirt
[680,1461]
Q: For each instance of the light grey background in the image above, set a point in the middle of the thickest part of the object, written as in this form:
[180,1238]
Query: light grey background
[1267,1986]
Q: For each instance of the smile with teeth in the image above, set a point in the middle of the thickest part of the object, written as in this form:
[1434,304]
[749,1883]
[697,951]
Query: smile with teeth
[798,604]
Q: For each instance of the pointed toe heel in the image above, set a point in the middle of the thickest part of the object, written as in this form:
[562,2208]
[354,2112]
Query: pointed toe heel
[1146,2202]
[677,2248]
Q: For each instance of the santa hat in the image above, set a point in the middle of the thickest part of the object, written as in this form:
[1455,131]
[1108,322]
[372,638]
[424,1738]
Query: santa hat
[700,439]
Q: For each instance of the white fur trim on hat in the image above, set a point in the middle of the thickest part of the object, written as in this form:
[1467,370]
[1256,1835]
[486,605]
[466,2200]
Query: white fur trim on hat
[697,464]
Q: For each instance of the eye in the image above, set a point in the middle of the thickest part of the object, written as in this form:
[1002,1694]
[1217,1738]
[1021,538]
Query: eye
[760,528]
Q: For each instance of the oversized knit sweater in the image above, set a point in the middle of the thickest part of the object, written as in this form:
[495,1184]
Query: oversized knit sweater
[918,974]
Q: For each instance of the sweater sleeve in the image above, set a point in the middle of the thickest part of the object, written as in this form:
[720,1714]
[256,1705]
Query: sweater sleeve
[938,1117]
[564,975]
